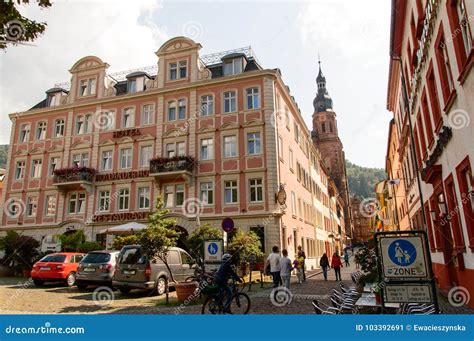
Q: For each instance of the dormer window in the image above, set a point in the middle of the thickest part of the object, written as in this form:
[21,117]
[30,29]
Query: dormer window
[132,86]
[178,70]
[233,66]
[136,81]
[87,87]
[54,99]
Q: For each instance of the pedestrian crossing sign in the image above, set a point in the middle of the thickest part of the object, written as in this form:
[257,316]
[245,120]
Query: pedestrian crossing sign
[404,257]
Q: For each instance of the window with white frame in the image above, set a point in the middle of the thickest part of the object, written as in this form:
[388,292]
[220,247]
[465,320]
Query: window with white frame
[170,150]
[230,101]
[230,146]
[41,130]
[80,160]
[287,119]
[36,168]
[207,105]
[77,203]
[293,203]
[181,148]
[181,109]
[173,71]
[447,66]
[20,170]
[207,149]
[230,192]
[50,205]
[179,195]
[254,145]
[128,118]
[123,203]
[253,98]
[59,128]
[233,67]
[126,158]
[280,147]
[24,133]
[106,162]
[297,132]
[168,196]
[87,87]
[143,197]
[172,111]
[148,114]
[183,69]
[105,120]
[146,153]
[83,124]
[31,206]
[104,201]
[54,163]
[207,193]
[464,21]
[256,190]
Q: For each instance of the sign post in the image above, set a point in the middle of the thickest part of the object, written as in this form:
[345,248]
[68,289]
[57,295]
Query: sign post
[405,268]
[213,251]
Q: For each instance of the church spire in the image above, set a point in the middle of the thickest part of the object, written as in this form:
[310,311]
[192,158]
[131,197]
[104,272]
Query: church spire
[322,102]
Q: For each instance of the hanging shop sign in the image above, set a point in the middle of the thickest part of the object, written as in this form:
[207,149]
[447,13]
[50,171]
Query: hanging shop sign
[403,257]
[122,175]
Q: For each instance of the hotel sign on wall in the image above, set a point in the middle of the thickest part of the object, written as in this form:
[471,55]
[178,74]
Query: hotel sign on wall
[127,132]
[122,175]
[99,218]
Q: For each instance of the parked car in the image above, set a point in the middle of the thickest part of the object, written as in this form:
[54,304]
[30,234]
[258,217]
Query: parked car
[57,267]
[96,268]
[134,271]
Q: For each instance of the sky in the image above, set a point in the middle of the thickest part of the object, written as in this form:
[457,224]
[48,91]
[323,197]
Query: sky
[351,38]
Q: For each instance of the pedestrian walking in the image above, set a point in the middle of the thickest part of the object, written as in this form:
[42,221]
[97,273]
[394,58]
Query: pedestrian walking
[302,254]
[285,269]
[356,259]
[273,262]
[346,258]
[299,266]
[324,264]
[336,264]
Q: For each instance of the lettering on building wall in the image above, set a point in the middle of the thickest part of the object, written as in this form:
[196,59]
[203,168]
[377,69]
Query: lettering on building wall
[128,132]
[120,216]
[122,175]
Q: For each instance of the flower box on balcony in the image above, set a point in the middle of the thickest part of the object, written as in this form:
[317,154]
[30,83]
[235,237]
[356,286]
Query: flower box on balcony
[172,164]
[74,174]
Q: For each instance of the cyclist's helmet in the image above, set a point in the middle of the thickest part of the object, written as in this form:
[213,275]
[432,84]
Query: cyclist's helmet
[226,257]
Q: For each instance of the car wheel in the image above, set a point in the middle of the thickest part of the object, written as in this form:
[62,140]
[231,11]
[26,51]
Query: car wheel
[71,279]
[124,291]
[160,287]
[38,283]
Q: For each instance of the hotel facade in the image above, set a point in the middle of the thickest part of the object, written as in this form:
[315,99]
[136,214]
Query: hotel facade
[216,136]
[431,94]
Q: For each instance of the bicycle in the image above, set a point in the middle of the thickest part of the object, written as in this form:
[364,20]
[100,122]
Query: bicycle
[214,303]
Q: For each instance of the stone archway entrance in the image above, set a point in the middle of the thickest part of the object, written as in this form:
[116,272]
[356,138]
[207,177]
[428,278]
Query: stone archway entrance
[183,235]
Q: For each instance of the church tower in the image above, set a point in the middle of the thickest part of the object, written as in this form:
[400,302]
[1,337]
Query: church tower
[326,138]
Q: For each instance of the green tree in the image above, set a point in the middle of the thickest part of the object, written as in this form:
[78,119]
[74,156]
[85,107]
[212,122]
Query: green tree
[15,27]
[199,235]
[121,241]
[20,251]
[243,245]
[71,242]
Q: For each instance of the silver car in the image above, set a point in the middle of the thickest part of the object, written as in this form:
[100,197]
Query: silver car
[96,268]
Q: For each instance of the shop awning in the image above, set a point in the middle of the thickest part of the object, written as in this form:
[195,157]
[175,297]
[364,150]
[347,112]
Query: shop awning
[125,228]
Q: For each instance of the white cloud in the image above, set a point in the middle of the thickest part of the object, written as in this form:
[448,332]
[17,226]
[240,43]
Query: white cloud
[121,33]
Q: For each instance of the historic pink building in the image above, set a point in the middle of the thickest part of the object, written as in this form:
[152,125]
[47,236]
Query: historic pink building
[217,136]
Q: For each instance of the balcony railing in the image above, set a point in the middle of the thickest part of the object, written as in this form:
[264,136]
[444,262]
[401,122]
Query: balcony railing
[74,177]
[179,166]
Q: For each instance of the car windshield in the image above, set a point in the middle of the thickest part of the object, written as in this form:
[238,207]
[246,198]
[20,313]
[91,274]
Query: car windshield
[132,255]
[54,258]
[96,257]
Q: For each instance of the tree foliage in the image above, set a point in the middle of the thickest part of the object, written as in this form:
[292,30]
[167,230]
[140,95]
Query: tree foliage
[243,245]
[20,251]
[71,242]
[159,236]
[17,28]
[199,235]
[121,241]
[3,155]
[362,180]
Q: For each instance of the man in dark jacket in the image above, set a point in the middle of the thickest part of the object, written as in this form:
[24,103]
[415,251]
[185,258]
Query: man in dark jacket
[222,276]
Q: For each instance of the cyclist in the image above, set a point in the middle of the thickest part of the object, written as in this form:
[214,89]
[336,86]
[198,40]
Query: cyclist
[222,276]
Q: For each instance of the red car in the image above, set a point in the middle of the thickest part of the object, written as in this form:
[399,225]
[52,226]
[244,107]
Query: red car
[57,267]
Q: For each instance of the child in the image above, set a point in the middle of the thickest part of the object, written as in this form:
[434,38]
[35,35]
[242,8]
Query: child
[298,264]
